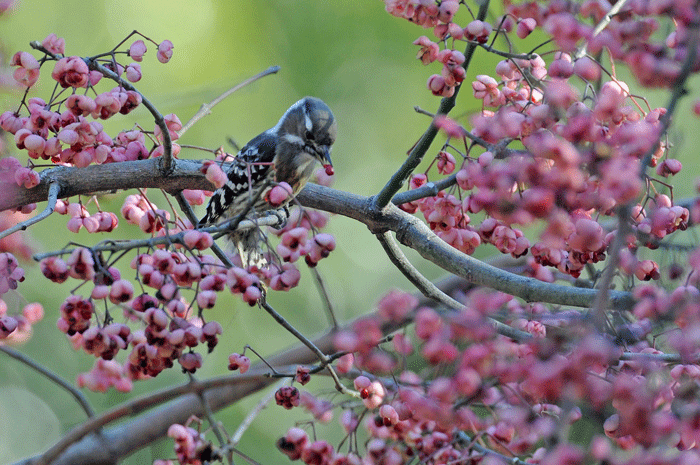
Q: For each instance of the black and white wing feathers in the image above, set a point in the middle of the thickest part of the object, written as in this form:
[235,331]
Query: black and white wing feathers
[250,173]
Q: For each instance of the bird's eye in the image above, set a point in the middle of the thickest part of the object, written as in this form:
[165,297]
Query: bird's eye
[309,135]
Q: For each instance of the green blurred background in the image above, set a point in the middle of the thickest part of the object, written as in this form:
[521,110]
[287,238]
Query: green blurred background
[351,54]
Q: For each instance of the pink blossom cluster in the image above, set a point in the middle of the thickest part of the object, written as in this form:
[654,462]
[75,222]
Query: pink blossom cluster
[104,375]
[65,130]
[561,180]
[515,395]
[15,327]
[299,238]
[190,446]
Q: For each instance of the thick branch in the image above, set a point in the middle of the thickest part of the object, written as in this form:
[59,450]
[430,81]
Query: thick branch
[414,233]
[409,230]
[106,178]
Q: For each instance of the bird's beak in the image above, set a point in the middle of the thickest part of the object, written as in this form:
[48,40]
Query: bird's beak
[324,154]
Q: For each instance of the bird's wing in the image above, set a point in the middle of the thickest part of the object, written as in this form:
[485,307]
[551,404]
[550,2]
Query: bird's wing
[252,164]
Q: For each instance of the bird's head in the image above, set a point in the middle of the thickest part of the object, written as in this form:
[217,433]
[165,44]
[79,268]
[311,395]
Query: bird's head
[309,125]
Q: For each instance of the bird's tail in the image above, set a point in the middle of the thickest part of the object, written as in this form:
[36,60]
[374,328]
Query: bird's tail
[249,244]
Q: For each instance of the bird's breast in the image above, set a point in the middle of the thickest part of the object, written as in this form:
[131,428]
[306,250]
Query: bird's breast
[296,174]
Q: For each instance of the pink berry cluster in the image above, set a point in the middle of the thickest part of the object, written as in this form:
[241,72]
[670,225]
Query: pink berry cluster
[585,140]
[190,446]
[297,445]
[160,325]
[104,375]
[15,325]
[168,328]
[66,130]
[440,17]
[636,36]
[470,382]
[300,238]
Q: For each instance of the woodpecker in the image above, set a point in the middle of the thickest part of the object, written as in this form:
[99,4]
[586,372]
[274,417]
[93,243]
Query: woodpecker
[287,152]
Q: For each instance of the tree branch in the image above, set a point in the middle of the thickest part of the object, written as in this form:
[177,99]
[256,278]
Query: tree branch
[409,230]
[53,197]
[414,233]
[430,290]
[107,178]
[416,156]
[207,107]
[81,445]
[77,395]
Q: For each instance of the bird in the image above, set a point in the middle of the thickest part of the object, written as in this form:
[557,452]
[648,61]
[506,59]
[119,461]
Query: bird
[287,152]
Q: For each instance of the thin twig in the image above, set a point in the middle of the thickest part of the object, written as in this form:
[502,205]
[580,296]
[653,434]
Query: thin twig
[207,107]
[512,56]
[464,437]
[113,246]
[423,284]
[307,342]
[262,359]
[325,297]
[663,358]
[295,332]
[54,189]
[222,438]
[248,420]
[600,304]
[79,397]
[431,291]
[186,207]
[614,9]
[416,155]
[429,189]
[245,457]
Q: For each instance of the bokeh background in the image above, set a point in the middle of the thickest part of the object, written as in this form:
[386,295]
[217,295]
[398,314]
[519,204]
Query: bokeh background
[353,55]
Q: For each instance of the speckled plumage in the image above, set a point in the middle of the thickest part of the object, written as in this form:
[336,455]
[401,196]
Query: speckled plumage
[288,152]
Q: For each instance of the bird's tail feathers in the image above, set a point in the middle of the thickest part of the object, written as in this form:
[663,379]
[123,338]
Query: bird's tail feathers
[249,246]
